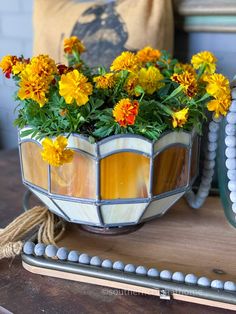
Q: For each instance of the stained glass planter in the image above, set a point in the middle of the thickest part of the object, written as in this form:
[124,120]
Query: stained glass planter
[119,181]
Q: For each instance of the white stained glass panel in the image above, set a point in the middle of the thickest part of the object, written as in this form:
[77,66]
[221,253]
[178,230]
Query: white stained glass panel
[122,143]
[160,206]
[172,138]
[82,144]
[122,213]
[78,212]
[46,200]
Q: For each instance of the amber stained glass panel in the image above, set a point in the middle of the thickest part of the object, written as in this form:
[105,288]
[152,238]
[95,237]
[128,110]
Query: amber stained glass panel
[170,170]
[125,175]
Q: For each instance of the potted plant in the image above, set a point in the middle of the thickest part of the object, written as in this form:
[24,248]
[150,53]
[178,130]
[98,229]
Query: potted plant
[117,147]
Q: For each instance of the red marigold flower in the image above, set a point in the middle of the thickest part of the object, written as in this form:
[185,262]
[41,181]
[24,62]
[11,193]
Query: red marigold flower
[7,63]
[125,112]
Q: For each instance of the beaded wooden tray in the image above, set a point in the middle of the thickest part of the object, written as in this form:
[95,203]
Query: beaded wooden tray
[183,242]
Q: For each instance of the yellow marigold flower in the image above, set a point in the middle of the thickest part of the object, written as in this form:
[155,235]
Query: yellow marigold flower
[131,83]
[207,58]
[188,82]
[180,118]
[105,81]
[150,79]
[218,86]
[7,63]
[74,86]
[73,43]
[186,67]
[125,111]
[18,67]
[55,152]
[148,54]
[219,106]
[33,87]
[126,61]
[43,65]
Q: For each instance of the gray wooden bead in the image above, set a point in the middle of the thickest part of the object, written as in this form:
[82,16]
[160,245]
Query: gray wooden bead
[39,249]
[212,146]
[206,181]
[211,155]
[191,279]
[166,274]
[231,117]
[212,137]
[84,258]
[204,281]
[73,256]
[230,152]
[96,261]
[233,93]
[202,193]
[62,253]
[230,129]
[208,172]
[129,268]
[232,196]
[230,286]
[232,186]
[232,107]
[51,250]
[141,270]
[217,284]
[107,263]
[209,164]
[231,174]
[118,265]
[216,119]
[230,141]
[234,207]
[153,272]
[28,247]
[213,126]
[230,163]
[178,276]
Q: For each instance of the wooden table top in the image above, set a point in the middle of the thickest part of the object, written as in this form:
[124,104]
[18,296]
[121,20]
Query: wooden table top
[24,292]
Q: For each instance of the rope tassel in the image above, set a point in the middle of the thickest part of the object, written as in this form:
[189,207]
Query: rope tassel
[11,237]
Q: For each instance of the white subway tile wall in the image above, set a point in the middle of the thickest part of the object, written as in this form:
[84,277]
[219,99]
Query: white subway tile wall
[16,38]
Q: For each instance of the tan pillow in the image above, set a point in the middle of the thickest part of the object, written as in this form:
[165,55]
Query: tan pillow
[106,28]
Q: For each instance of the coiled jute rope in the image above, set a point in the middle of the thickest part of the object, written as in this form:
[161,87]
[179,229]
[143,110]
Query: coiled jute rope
[51,229]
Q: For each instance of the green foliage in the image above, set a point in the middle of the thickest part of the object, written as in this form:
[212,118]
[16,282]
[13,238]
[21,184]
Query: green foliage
[96,118]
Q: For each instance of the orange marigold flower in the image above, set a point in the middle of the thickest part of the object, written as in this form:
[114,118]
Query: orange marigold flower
[126,61]
[148,54]
[131,83]
[74,86]
[73,44]
[33,87]
[180,118]
[219,106]
[7,63]
[55,152]
[125,111]
[43,65]
[188,82]
[105,81]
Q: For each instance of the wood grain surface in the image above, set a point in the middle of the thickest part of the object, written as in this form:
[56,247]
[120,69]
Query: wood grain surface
[24,292]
